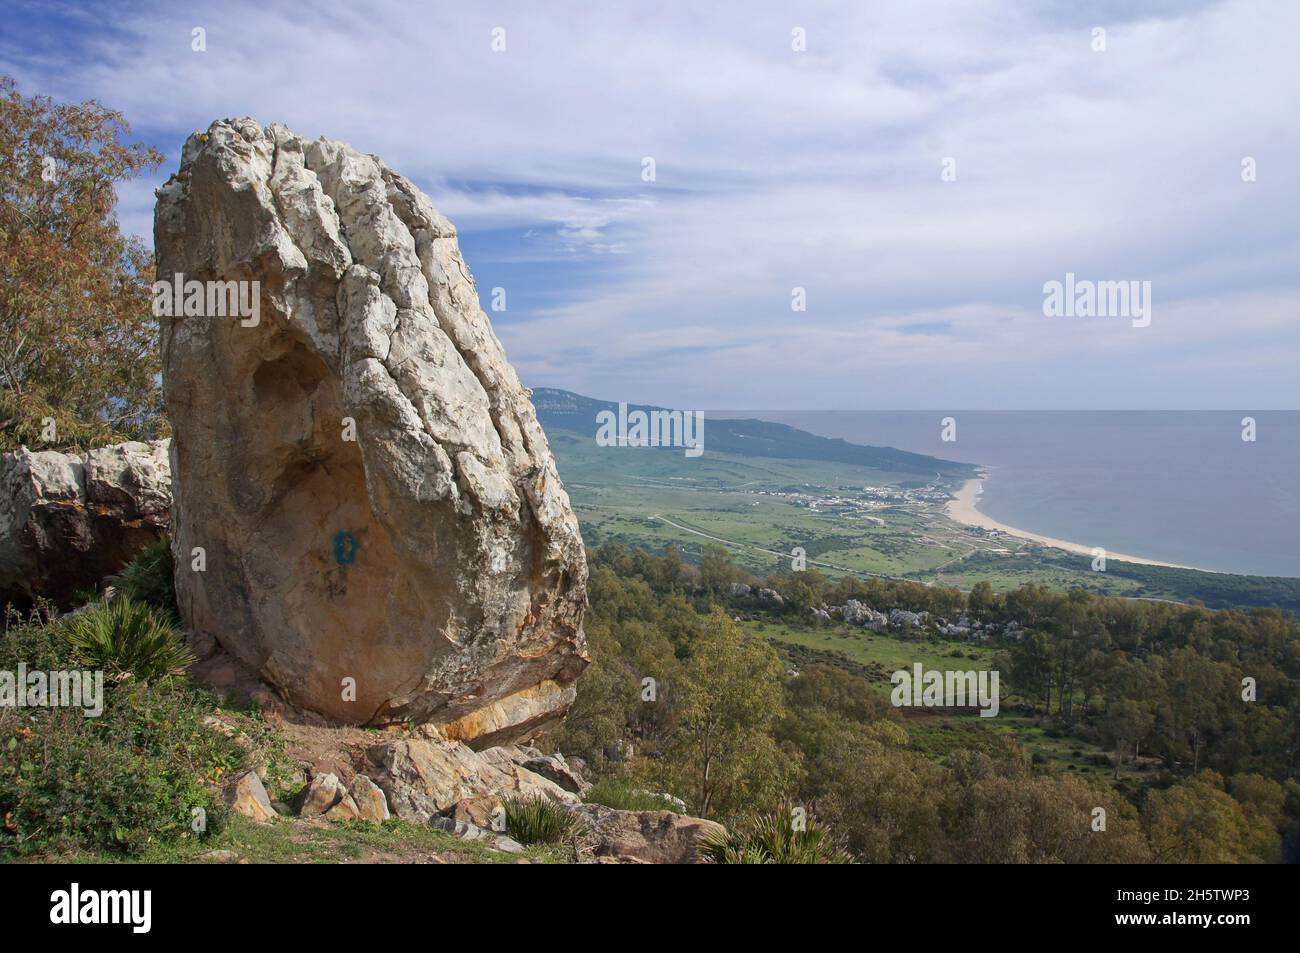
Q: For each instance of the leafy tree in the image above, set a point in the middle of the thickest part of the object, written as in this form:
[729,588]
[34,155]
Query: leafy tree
[717,571]
[1196,689]
[1197,822]
[1126,724]
[982,601]
[77,338]
[884,801]
[1048,819]
[1029,666]
[728,699]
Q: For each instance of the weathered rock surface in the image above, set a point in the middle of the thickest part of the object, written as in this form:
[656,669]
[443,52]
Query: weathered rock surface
[247,796]
[344,809]
[467,831]
[516,780]
[434,560]
[369,798]
[858,613]
[69,520]
[222,857]
[552,767]
[423,778]
[905,619]
[650,837]
[486,811]
[322,793]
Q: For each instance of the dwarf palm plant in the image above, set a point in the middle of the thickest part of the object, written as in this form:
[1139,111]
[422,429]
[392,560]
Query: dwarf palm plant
[128,639]
[783,837]
[539,820]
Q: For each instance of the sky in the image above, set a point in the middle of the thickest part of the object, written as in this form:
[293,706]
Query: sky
[919,169]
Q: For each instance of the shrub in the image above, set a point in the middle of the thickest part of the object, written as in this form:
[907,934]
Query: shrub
[539,820]
[148,578]
[623,797]
[146,770]
[773,839]
[28,637]
[128,638]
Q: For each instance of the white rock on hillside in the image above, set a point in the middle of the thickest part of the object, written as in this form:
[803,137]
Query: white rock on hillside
[69,520]
[432,565]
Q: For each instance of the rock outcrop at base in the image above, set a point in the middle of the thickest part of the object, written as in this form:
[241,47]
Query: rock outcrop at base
[383,532]
[69,520]
[645,837]
[415,774]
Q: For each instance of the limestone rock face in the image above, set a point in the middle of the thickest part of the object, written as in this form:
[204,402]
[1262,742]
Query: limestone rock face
[69,520]
[361,467]
[424,777]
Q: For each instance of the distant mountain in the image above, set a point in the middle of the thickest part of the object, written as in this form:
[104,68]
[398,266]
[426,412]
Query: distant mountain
[565,410]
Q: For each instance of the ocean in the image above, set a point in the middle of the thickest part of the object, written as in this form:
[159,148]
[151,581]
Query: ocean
[1175,486]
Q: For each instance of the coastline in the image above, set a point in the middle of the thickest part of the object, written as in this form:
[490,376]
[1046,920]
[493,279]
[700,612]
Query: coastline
[963,508]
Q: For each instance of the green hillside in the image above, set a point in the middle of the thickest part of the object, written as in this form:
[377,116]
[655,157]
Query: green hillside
[565,410]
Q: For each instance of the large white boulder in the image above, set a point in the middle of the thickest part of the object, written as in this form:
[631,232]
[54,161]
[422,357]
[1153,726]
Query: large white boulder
[383,533]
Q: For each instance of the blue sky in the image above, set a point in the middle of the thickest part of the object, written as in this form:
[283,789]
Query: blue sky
[776,169]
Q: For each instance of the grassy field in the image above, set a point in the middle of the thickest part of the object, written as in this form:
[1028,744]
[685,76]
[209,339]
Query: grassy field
[296,841]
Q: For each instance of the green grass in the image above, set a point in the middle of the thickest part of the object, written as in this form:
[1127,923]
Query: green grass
[286,841]
[624,797]
[879,652]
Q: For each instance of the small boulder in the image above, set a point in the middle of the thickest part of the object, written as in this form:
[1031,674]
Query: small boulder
[344,809]
[485,811]
[371,803]
[507,845]
[462,829]
[320,795]
[467,831]
[247,796]
[904,619]
[422,778]
[222,857]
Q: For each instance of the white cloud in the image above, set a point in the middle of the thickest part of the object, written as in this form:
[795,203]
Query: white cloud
[818,169]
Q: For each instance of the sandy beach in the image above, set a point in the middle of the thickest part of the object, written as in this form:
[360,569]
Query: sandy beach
[964,509]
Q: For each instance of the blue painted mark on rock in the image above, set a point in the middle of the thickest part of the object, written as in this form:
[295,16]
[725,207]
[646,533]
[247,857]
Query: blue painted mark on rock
[345,548]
